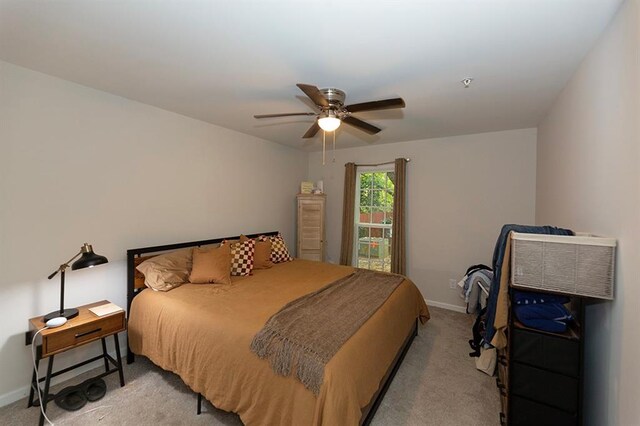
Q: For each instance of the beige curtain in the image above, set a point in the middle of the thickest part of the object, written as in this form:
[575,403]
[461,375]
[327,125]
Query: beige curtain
[348,214]
[398,240]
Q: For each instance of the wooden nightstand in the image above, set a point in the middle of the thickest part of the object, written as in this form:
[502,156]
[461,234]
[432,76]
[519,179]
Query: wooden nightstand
[86,327]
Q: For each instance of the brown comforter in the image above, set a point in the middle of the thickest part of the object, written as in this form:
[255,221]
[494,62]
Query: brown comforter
[204,336]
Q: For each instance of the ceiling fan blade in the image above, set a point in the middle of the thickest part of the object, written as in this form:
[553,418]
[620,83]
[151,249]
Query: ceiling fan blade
[362,125]
[312,131]
[314,94]
[375,105]
[288,114]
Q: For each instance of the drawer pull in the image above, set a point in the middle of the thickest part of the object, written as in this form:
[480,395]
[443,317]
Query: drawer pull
[86,333]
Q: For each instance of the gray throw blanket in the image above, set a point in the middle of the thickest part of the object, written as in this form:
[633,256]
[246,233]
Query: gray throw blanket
[307,332]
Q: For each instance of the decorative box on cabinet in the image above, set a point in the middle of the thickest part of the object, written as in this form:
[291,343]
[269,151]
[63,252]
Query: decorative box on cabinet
[310,241]
[540,375]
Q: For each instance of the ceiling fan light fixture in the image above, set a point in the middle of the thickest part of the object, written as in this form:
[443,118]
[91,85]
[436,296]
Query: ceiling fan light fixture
[329,123]
[331,110]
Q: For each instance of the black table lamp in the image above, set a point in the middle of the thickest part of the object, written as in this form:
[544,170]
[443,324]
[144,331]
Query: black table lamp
[88,260]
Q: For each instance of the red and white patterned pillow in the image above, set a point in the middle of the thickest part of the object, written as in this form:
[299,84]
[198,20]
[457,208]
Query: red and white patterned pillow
[242,255]
[279,251]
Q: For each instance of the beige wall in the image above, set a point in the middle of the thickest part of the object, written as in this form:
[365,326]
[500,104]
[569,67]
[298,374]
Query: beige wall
[460,191]
[77,165]
[588,179]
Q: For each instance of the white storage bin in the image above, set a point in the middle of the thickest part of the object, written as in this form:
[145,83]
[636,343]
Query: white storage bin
[581,265]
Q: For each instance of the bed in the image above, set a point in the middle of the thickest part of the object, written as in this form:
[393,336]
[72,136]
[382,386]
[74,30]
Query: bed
[204,336]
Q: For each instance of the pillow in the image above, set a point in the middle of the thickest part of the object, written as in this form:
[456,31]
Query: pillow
[262,255]
[167,271]
[241,257]
[211,265]
[279,251]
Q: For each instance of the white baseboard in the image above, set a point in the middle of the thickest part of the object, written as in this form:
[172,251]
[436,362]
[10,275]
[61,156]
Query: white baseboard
[448,306]
[16,395]
[13,396]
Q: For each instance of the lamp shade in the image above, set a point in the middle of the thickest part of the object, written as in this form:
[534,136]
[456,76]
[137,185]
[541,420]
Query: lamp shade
[88,258]
[329,123]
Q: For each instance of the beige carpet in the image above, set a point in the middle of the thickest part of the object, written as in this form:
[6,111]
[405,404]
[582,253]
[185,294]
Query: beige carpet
[437,384]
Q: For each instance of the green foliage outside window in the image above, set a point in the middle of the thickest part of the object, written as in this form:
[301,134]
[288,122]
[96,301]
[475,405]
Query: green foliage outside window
[375,216]
[376,191]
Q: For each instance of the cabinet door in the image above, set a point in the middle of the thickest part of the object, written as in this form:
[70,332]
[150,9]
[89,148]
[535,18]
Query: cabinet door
[310,229]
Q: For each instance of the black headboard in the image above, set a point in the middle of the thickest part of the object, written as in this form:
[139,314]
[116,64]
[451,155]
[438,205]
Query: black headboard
[132,254]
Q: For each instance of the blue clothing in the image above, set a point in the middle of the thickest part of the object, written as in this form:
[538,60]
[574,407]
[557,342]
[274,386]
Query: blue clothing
[498,255]
[551,317]
[531,298]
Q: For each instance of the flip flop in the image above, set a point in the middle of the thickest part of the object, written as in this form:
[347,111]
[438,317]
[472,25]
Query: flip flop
[94,389]
[71,398]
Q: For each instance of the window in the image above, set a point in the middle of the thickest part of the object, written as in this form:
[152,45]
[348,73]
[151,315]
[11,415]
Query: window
[374,216]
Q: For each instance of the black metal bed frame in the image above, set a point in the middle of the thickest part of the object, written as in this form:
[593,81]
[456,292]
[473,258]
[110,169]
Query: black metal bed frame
[367,412]
[132,254]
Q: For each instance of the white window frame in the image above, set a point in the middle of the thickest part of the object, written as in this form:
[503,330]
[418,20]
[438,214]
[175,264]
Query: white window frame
[356,219]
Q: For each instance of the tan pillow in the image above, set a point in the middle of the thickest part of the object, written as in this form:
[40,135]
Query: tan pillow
[211,265]
[262,254]
[167,271]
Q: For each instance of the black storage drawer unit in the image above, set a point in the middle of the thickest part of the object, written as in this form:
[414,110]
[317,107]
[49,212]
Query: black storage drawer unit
[553,353]
[524,412]
[549,388]
[541,383]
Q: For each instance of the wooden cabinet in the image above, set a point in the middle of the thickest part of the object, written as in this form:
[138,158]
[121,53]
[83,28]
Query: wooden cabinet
[310,234]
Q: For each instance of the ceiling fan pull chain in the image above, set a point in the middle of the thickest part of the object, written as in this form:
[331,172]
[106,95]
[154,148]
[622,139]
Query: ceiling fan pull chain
[324,135]
[334,146]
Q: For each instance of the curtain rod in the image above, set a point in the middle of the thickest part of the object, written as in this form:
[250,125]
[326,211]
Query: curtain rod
[380,164]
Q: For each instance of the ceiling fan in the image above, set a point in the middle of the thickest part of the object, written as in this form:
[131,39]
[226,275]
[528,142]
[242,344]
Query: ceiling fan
[333,112]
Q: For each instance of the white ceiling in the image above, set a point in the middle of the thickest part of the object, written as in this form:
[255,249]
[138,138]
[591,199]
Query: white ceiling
[223,61]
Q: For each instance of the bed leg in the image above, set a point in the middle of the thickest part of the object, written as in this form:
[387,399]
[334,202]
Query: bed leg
[131,357]
[199,409]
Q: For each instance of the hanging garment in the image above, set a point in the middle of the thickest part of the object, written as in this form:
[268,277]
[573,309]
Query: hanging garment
[470,270]
[487,361]
[498,304]
[475,296]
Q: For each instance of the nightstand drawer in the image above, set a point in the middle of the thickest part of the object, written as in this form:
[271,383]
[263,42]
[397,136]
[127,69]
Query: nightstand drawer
[82,333]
